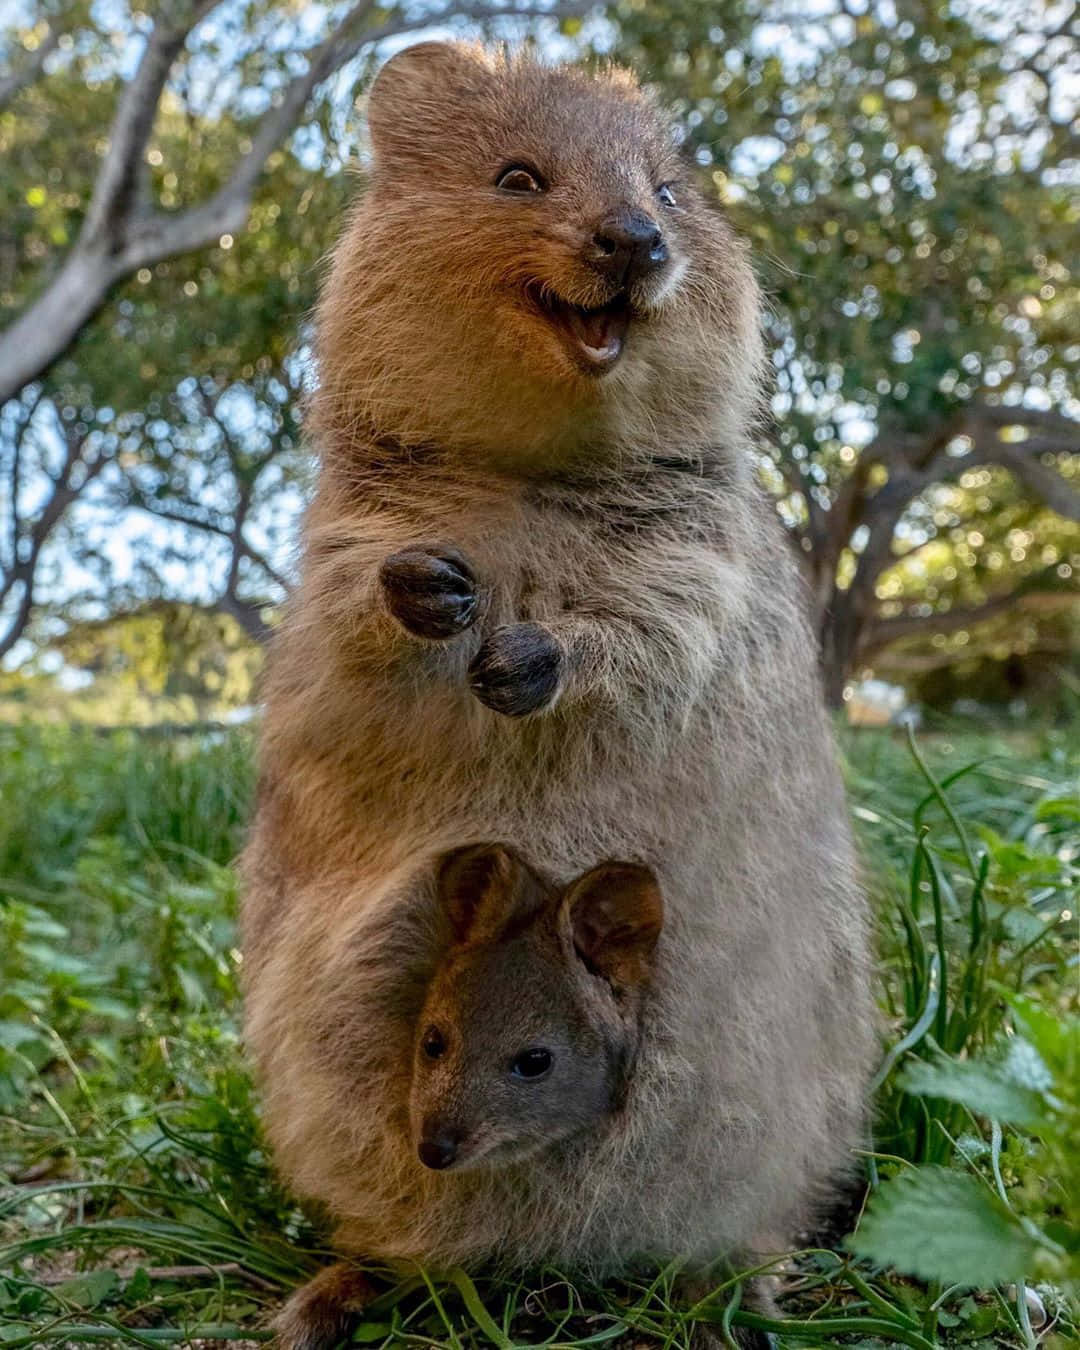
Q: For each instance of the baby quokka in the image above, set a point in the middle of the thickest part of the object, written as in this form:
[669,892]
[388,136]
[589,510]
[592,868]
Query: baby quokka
[527,1037]
[532,1023]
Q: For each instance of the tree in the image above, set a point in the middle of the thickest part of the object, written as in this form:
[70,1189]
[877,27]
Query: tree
[908,175]
[192,237]
[221,465]
[45,458]
[125,226]
[162,659]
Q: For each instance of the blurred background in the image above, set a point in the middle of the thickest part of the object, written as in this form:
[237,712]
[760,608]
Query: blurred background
[171,178]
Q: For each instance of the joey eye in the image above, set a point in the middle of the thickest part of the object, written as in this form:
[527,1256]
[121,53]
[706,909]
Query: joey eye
[433,1043]
[520,179]
[665,195]
[532,1063]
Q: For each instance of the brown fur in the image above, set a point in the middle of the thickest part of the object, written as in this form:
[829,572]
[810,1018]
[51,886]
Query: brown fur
[634,589]
[322,1312]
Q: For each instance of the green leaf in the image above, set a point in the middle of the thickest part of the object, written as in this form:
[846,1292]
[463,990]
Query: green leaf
[367,1333]
[990,1090]
[1052,808]
[52,960]
[39,924]
[14,1034]
[194,993]
[139,1286]
[943,1225]
[1056,1038]
[110,1007]
[89,1289]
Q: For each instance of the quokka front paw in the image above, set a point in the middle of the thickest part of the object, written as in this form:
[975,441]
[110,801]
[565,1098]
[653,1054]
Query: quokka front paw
[431,590]
[519,669]
[322,1313]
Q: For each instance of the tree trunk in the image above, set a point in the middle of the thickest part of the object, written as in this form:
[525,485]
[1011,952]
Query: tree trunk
[44,331]
[842,623]
[836,657]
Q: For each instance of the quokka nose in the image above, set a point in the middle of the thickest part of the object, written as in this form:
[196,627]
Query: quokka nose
[438,1150]
[628,245]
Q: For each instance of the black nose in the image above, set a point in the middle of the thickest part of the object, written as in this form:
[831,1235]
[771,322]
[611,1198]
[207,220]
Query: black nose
[628,245]
[438,1150]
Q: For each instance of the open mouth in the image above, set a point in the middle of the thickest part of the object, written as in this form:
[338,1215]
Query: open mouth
[595,337]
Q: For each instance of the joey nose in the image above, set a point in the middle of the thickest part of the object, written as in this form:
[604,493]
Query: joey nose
[438,1149]
[628,245]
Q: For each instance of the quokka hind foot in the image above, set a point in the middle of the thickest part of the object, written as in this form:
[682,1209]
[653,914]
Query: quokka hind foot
[321,1314]
[758,1296]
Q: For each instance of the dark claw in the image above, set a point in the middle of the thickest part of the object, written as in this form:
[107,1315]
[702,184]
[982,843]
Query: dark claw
[518,669]
[431,591]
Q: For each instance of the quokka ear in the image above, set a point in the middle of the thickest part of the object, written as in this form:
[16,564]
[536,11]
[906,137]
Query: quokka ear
[616,913]
[485,889]
[409,98]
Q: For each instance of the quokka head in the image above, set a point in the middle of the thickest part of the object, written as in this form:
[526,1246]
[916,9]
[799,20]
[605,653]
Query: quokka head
[532,239]
[531,1024]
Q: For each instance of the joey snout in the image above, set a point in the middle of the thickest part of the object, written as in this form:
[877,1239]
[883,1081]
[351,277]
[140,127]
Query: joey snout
[439,1144]
[431,590]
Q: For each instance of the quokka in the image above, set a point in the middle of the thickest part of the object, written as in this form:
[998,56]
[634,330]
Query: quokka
[543,602]
[527,1037]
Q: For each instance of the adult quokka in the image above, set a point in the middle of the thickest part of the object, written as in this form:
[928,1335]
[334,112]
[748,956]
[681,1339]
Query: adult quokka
[543,602]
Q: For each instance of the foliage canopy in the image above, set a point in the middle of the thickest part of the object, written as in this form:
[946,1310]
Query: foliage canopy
[907,176]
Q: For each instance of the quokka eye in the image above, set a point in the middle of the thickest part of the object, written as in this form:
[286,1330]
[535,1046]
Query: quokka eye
[520,179]
[433,1043]
[665,195]
[532,1063]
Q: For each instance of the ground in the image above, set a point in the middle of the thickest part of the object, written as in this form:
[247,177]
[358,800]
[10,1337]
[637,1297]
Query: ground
[136,1203]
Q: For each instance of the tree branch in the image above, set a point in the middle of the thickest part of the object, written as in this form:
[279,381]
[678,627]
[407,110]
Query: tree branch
[14,477]
[848,614]
[157,236]
[247,615]
[1006,415]
[61,495]
[116,240]
[246,549]
[880,633]
[15,81]
[1038,478]
[111,204]
[882,511]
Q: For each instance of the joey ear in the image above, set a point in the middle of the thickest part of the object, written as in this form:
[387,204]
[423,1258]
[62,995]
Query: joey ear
[409,97]
[484,888]
[616,913]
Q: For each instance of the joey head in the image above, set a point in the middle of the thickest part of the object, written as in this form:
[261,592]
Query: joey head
[531,1024]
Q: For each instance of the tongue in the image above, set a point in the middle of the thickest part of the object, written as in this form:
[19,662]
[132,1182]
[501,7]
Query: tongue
[600,331]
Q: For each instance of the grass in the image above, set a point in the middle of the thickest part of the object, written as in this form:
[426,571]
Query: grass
[138,1208]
